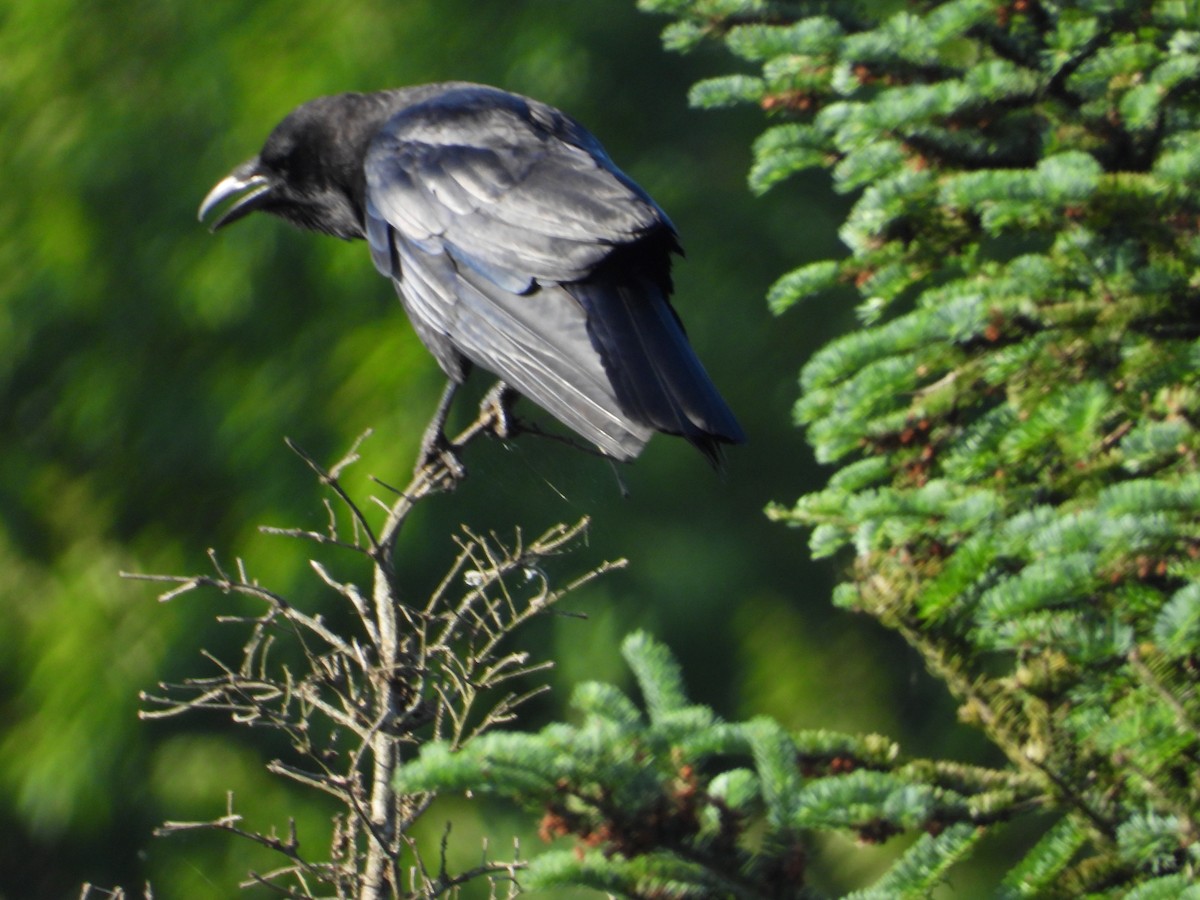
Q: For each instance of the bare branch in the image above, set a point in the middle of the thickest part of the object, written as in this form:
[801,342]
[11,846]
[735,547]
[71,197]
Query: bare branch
[349,699]
[330,480]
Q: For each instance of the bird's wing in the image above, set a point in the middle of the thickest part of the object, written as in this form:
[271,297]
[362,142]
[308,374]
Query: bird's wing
[481,205]
[506,186]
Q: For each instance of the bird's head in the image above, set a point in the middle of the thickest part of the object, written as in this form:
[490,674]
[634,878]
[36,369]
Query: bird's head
[309,171]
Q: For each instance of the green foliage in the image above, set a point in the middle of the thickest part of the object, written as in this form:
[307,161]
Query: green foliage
[675,802]
[1035,874]
[1016,421]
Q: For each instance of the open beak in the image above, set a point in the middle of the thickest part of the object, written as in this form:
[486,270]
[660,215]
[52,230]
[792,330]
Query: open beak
[251,188]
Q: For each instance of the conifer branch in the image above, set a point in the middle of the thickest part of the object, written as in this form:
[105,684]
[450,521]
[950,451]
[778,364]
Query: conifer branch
[1018,481]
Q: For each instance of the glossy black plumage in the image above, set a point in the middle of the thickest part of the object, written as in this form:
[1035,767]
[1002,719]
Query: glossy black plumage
[515,244]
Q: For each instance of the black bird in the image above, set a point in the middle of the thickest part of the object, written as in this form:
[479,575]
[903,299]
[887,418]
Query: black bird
[515,244]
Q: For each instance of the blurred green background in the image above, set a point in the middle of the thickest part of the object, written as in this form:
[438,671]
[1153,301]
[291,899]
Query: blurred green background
[149,372]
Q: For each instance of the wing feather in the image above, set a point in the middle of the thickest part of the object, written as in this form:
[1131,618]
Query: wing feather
[499,220]
[537,343]
[505,182]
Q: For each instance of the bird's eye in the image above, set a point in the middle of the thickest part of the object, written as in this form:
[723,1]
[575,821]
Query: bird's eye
[279,154]
[279,163]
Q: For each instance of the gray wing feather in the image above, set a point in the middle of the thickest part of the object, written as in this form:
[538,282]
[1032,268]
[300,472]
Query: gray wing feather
[538,343]
[497,218]
[511,186]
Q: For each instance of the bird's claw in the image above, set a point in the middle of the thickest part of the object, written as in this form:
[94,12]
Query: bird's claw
[496,407]
[439,459]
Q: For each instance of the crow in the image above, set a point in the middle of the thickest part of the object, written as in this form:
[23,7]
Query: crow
[515,243]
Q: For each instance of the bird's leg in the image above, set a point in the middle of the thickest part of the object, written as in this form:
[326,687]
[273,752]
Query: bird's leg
[435,447]
[497,403]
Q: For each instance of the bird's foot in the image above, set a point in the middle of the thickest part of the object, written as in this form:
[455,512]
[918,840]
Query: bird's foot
[441,463]
[439,459]
[497,407]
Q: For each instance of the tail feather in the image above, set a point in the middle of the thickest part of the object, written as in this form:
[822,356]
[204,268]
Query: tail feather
[655,373]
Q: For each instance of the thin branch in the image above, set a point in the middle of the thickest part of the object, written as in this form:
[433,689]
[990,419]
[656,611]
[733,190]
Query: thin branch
[411,664]
[330,480]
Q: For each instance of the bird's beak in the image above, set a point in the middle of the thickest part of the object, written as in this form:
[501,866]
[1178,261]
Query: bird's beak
[248,184]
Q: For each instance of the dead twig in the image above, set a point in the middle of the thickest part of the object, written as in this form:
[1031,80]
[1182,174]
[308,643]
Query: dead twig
[349,699]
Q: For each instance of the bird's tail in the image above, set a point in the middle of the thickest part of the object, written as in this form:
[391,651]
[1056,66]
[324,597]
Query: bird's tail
[655,374]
